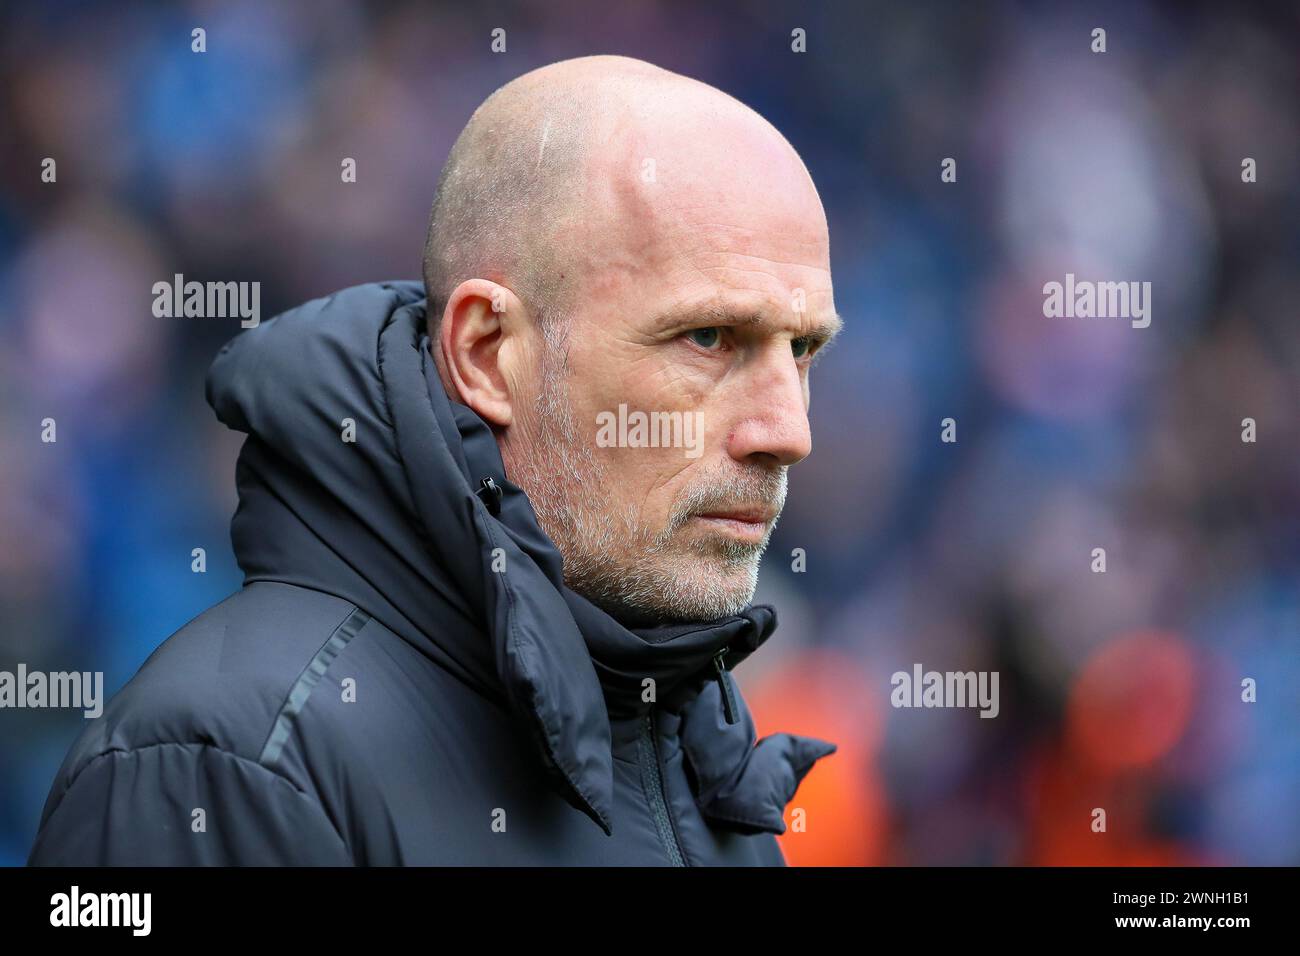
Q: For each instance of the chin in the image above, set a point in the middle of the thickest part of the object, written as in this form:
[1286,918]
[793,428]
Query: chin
[712,595]
[702,592]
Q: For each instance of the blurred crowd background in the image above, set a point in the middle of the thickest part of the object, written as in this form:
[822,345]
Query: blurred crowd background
[1120,690]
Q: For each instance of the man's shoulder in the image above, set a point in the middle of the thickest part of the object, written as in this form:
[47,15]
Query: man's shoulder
[227,678]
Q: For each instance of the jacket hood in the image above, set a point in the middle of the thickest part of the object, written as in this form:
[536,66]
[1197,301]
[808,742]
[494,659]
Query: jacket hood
[361,478]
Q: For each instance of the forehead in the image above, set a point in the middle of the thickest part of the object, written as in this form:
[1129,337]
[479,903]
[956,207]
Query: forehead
[708,170]
[704,213]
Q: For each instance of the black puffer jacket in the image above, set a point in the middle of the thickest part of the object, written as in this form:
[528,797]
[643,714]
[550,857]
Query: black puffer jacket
[403,678]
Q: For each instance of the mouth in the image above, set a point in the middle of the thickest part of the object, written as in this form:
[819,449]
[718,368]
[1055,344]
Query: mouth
[748,524]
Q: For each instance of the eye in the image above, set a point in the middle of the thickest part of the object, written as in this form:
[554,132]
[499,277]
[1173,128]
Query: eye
[706,338]
[801,347]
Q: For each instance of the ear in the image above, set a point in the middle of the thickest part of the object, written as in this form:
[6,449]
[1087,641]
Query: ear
[482,339]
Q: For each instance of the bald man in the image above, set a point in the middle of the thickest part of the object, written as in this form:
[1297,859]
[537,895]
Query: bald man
[500,530]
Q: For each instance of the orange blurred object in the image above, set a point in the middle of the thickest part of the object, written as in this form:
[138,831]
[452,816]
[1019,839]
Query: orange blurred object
[842,800]
[1128,708]
[1131,702]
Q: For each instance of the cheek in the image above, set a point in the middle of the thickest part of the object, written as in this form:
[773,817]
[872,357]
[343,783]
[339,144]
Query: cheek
[644,481]
[653,481]
[592,381]
[644,484]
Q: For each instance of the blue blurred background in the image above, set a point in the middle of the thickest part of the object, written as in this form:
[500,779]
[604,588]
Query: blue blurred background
[1119,690]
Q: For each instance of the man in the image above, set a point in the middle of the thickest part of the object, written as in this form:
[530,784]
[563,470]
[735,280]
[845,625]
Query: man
[488,612]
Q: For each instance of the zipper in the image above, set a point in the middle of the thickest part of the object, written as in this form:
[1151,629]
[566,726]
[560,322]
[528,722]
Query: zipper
[729,707]
[652,781]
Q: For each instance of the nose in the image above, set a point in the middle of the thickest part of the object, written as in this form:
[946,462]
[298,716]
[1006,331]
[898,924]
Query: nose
[772,425]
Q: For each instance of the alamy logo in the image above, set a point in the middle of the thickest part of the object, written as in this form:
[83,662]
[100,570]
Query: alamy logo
[651,430]
[1101,300]
[54,689]
[923,688]
[208,300]
[102,909]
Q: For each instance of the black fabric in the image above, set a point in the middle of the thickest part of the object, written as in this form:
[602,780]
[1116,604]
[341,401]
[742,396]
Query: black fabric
[404,678]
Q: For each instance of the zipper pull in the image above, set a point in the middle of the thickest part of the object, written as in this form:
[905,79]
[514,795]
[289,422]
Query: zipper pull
[490,493]
[729,707]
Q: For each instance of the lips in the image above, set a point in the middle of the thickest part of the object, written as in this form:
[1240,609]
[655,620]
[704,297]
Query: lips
[746,523]
[746,515]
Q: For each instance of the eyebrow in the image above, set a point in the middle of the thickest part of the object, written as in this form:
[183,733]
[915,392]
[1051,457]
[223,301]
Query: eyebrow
[707,314]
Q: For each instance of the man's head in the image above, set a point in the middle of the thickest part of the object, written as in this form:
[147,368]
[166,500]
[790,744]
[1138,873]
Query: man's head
[616,254]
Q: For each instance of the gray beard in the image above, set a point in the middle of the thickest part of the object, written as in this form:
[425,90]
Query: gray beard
[608,558]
